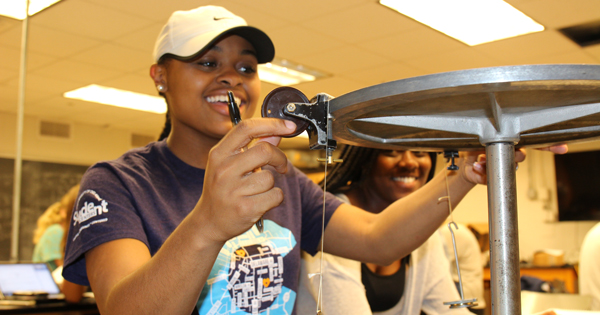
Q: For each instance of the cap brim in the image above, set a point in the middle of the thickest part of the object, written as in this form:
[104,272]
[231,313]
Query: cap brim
[265,50]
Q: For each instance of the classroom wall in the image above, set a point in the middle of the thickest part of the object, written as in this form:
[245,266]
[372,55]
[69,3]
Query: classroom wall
[50,167]
[536,193]
[88,143]
[537,208]
[43,184]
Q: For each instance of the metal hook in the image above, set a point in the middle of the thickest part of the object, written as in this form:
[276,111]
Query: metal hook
[462,302]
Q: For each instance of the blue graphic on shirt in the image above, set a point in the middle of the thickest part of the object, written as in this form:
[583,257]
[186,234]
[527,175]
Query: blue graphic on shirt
[247,277]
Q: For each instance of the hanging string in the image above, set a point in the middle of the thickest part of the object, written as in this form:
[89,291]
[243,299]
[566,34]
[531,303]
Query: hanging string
[320,293]
[447,197]
[462,302]
[320,273]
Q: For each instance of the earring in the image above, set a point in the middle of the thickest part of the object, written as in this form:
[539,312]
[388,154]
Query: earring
[160,88]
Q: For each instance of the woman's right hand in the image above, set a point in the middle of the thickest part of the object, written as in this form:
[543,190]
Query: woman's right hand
[474,162]
[236,191]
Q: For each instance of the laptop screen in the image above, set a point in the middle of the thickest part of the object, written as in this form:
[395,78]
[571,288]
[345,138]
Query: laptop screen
[26,277]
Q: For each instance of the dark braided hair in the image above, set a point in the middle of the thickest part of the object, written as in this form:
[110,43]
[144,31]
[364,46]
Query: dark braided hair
[167,128]
[357,164]
[163,60]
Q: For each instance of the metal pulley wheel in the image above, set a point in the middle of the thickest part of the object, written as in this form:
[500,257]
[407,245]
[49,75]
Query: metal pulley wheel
[277,100]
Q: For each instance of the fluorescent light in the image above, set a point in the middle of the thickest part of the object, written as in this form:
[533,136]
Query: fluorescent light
[472,22]
[285,72]
[120,98]
[279,72]
[16,8]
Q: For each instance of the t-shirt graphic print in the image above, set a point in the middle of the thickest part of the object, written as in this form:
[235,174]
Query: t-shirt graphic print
[248,275]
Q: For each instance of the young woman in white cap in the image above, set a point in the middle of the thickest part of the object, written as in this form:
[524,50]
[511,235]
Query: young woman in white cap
[169,228]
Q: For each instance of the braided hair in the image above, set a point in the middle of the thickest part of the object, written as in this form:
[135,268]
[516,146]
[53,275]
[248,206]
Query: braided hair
[167,128]
[357,164]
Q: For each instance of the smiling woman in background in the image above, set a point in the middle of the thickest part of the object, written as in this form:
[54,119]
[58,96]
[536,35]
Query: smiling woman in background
[419,283]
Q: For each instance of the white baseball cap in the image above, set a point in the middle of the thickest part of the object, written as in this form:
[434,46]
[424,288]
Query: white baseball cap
[188,34]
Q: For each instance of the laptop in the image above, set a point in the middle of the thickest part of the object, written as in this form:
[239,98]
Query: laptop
[29,282]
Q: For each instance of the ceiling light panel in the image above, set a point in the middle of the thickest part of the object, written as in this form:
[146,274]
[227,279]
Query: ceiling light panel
[472,22]
[16,8]
[284,72]
[120,98]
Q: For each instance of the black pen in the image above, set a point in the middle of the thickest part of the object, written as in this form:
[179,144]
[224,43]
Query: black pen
[234,110]
[234,114]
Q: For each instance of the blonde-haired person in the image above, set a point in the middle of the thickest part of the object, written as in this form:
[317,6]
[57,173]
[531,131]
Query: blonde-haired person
[48,235]
[67,203]
[73,292]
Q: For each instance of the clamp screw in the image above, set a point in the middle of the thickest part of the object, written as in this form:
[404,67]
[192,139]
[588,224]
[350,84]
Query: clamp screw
[330,160]
[450,155]
[291,107]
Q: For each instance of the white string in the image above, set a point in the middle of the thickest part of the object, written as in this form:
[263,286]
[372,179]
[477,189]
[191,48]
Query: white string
[320,294]
[327,160]
[462,302]
[448,195]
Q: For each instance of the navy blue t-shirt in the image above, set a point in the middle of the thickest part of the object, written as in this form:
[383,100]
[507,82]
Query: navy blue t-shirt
[147,192]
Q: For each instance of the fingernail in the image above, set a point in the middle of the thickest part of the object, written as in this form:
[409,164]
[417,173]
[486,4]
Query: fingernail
[478,167]
[290,125]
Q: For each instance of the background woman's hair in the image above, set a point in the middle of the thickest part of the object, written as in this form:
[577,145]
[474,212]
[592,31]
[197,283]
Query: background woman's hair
[49,217]
[357,164]
[68,203]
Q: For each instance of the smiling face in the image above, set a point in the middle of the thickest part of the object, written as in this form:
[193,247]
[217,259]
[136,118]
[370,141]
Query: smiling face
[196,91]
[396,174]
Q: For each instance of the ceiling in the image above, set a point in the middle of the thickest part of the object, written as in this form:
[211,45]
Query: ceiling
[359,43]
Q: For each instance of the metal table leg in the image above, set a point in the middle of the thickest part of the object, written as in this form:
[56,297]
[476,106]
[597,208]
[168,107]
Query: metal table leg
[503,222]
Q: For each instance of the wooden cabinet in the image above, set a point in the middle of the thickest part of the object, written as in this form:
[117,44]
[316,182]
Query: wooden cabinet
[565,274]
